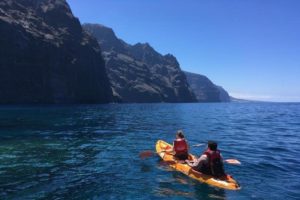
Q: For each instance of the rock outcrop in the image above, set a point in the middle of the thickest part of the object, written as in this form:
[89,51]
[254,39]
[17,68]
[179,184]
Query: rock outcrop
[205,90]
[46,56]
[138,73]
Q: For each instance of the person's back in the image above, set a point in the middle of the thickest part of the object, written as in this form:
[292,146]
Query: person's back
[214,160]
[180,146]
[210,162]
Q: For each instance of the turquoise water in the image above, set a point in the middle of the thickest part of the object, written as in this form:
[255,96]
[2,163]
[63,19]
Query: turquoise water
[92,152]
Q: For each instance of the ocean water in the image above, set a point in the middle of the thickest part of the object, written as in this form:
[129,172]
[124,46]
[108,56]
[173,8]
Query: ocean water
[92,151]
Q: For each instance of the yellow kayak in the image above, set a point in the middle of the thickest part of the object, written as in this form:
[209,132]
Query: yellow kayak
[226,182]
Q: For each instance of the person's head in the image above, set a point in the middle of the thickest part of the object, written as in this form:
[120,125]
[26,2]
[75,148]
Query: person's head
[179,134]
[212,145]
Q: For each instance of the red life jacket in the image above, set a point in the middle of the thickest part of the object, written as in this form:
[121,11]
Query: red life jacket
[212,155]
[180,146]
[215,163]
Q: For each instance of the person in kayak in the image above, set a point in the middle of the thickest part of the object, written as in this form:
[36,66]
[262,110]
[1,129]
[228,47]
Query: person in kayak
[180,147]
[210,162]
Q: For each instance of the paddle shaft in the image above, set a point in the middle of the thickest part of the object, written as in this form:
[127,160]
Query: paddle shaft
[228,161]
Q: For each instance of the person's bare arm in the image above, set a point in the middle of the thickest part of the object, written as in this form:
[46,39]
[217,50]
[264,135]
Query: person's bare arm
[171,150]
[196,162]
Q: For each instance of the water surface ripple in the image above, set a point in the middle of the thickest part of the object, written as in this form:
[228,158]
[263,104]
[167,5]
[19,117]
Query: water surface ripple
[92,151]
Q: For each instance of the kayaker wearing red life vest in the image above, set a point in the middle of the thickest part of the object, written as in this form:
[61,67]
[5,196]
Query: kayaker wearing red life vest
[180,146]
[210,162]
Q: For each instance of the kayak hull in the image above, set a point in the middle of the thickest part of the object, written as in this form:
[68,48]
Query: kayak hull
[225,182]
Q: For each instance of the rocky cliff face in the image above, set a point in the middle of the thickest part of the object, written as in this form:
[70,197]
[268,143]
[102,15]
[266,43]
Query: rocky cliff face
[138,73]
[205,90]
[46,57]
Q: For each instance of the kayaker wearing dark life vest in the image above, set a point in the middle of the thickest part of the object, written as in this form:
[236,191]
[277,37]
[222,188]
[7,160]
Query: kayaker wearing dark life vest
[180,146]
[210,162]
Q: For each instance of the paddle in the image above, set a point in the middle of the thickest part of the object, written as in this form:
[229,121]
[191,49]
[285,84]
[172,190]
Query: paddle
[149,153]
[232,161]
[198,145]
[146,154]
[228,161]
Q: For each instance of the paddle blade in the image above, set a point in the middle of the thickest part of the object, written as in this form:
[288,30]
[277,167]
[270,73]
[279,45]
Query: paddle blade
[146,154]
[233,161]
[198,145]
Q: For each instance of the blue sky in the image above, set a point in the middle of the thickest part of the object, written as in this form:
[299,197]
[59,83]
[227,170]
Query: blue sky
[250,47]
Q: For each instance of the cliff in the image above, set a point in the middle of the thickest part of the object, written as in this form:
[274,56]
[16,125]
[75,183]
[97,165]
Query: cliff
[138,73]
[205,90]
[46,56]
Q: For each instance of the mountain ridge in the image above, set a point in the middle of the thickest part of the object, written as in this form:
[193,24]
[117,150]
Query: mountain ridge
[138,73]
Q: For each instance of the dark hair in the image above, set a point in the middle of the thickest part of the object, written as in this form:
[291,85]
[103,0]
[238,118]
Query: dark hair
[212,145]
[180,134]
